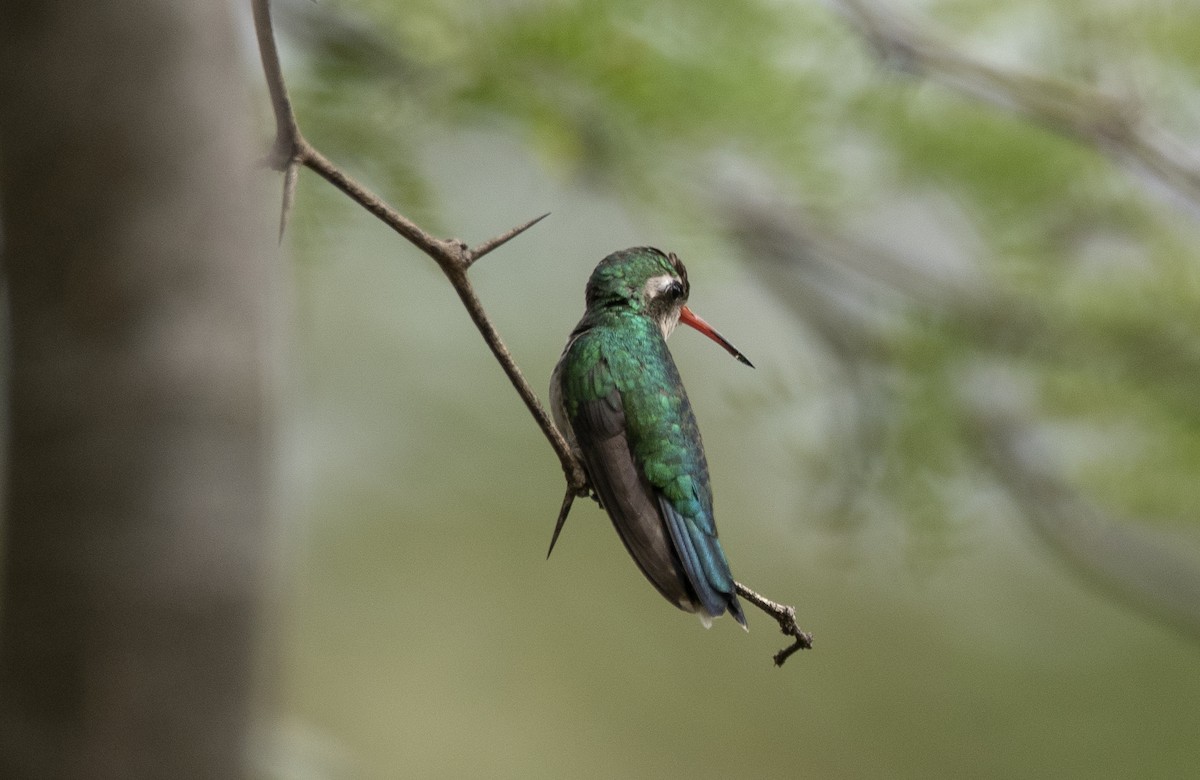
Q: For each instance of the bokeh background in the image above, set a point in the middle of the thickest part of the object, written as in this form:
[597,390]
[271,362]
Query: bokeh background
[959,241]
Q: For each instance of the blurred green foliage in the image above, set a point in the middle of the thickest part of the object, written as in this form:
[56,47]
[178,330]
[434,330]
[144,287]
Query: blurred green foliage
[976,314]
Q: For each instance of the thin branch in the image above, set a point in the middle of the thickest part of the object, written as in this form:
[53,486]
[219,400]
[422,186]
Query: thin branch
[572,469]
[454,257]
[287,132]
[785,616]
[444,253]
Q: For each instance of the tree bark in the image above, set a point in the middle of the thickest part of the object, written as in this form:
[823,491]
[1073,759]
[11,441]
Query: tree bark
[138,291]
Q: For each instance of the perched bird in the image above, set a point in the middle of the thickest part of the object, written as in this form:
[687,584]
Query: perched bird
[617,396]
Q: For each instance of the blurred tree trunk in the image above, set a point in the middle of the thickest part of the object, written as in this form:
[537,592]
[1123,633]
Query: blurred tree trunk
[137,286]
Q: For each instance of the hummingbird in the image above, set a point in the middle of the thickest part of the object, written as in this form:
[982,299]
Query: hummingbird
[617,396]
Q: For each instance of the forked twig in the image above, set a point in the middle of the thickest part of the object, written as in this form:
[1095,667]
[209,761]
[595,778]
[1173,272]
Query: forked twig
[785,616]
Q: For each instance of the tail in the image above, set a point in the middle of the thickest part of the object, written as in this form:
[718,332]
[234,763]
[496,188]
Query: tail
[705,564]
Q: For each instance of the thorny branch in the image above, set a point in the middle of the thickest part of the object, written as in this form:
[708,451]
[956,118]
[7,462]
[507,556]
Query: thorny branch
[291,151]
[454,257]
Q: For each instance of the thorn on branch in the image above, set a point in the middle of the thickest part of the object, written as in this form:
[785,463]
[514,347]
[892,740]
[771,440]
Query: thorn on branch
[501,240]
[291,175]
[568,499]
[785,616]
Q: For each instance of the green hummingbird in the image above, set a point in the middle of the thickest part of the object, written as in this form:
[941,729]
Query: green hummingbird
[618,398]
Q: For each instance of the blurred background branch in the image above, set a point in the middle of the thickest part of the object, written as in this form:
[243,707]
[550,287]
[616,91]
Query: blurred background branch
[842,289]
[1112,124]
[1151,571]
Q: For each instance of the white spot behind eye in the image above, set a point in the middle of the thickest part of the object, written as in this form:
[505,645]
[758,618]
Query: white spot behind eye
[657,285]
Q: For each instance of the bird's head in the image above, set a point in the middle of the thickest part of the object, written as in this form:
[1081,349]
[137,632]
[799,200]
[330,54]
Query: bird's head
[654,284]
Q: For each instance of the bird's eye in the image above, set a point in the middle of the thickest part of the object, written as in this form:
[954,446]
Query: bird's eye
[674,291]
